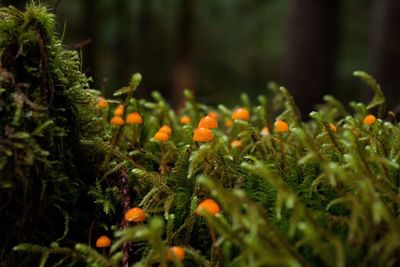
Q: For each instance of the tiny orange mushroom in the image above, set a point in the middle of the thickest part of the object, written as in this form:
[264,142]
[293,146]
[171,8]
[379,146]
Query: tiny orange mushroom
[236,144]
[134,118]
[264,131]
[161,136]
[102,102]
[208,122]
[119,110]
[213,115]
[209,205]
[203,134]
[228,123]
[369,119]
[135,215]
[166,129]
[185,120]
[117,121]
[332,127]
[241,114]
[176,252]
[281,126]
[103,242]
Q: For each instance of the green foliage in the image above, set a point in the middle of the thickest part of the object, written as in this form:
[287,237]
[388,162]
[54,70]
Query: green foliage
[325,193]
[45,109]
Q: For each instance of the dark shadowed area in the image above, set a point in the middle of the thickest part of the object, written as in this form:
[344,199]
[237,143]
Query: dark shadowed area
[221,48]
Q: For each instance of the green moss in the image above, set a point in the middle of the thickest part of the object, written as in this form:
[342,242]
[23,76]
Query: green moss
[45,109]
[310,197]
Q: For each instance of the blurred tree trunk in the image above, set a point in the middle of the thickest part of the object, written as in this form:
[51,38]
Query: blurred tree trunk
[183,69]
[309,60]
[123,43]
[386,48]
[90,24]
[143,53]
[16,3]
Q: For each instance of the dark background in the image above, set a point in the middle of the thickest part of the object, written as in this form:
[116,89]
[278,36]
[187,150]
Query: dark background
[220,48]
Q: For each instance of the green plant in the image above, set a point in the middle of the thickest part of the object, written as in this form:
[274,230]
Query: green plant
[300,194]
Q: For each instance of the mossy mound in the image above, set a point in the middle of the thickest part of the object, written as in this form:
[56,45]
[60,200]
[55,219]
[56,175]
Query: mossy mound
[45,109]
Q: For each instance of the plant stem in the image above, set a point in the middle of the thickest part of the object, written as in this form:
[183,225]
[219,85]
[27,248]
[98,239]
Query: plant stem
[282,146]
[126,202]
[215,251]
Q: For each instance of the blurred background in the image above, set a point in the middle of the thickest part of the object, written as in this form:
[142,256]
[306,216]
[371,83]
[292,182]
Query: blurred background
[221,48]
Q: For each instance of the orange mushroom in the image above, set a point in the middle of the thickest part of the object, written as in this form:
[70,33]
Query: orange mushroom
[369,119]
[134,118]
[161,136]
[241,114]
[135,215]
[185,120]
[119,111]
[203,134]
[117,121]
[332,127]
[209,205]
[264,131]
[236,144]
[213,115]
[102,102]
[166,129]
[228,123]
[208,122]
[103,242]
[176,252]
[281,126]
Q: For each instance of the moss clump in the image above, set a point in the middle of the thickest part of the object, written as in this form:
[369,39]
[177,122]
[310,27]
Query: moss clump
[45,109]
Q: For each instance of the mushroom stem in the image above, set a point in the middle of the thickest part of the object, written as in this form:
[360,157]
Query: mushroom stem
[163,168]
[134,135]
[116,135]
[104,251]
[114,142]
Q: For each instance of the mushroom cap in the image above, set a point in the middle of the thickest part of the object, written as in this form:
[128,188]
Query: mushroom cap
[228,123]
[176,252]
[203,135]
[102,102]
[134,118]
[241,114]
[116,120]
[281,126]
[208,122]
[185,120]
[332,127]
[119,110]
[264,131]
[166,129]
[209,205]
[236,144]
[135,215]
[369,119]
[161,136]
[103,242]
[213,115]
